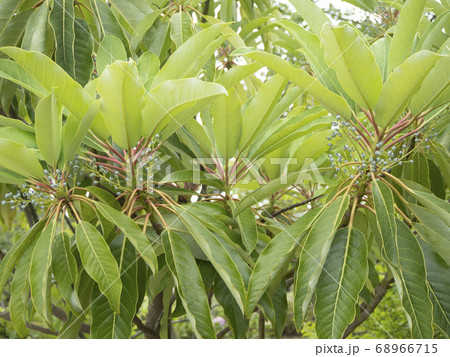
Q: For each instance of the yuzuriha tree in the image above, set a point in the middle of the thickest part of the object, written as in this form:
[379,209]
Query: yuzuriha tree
[159,173]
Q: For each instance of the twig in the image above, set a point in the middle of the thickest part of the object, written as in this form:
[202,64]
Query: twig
[380,292]
[7,317]
[298,204]
[223,332]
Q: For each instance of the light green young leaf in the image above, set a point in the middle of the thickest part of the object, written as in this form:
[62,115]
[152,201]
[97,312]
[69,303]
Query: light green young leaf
[405,32]
[18,159]
[313,253]
[189,284]
[35,35]
[343,277]
[327,98]
[354,63]
[401,84]
[110,50]
[227,123]
[121,92]
[48,126]
[99,262]
[312,14]
[380,50]
[50,76]
[174,97]
[180,28]
[148,65]
[132,232]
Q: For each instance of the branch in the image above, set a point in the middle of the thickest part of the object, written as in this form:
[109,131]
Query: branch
[223,332]
[5,316]
[298,204]
[365,311]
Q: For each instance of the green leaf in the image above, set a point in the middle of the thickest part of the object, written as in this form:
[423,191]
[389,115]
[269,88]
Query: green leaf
[40,273]
[411,283]
[236,320]
[401,84]
[35,35]
[121,94]
[148,65]
[227,124]
[384,208]
[20,290]
[107,323]
[438,278]
[312,14]
[189,284]
[83,48]
[247,225]
[302,79]
[110,50]
[260,108]
[19,136]
[343,277]
[217,255]
[380,50]
[180,28]
[405,32]
[74,131]
[354,63]
[14,123]
[434,90]
[48,126]
[16,73]
[99,262]
[281,247]
[62,20]
[105,197]
[173,97]
[8,8]
[65,271]
[132,232]
[14,254]
[313,253]
[17,158]
[50,76]
[195,176]
[437,206]
[143,27]
[181,61]
[15,28]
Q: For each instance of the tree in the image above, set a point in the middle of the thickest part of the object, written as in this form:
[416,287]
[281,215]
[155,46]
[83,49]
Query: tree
[152,163]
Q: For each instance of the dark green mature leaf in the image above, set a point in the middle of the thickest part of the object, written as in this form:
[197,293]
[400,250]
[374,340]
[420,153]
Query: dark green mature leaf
[107,323]
[281,247]
[313,253]
[14,254]
[83,47]
[247,225]
[411,283]
[132,232]
[99,262]
[48,126]
[62,20]
[20,290]
[433,230]
[65,271]
[218,256]
[438,276]
[384,208]
[341,281]
[189,284]
[40,273]
[233,314]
